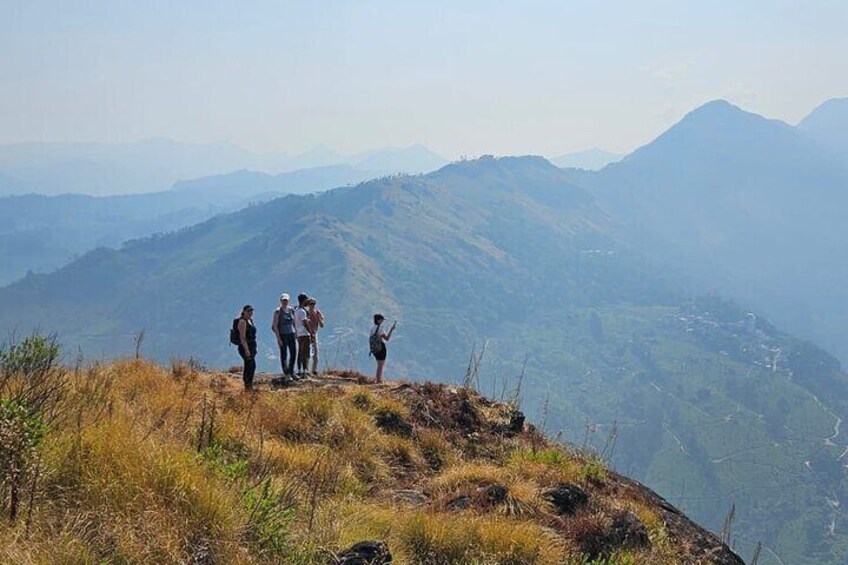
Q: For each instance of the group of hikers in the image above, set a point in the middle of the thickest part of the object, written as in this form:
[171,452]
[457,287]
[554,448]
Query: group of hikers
[296,330]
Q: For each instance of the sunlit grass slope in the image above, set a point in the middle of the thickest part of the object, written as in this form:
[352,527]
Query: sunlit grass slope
[134,463]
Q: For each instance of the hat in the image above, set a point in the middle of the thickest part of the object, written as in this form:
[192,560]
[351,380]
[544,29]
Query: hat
[284,296]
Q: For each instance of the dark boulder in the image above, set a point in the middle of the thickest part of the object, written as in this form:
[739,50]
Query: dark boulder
[602,540]
[628,531]
[516,422]
[364,553]
[460,502]
[494,494]
[466,415]
[566,498]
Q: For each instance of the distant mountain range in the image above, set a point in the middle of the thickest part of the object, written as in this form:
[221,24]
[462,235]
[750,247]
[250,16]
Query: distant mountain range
[750,206]
[154,165]
[710,404]
[589,159]
[42,233]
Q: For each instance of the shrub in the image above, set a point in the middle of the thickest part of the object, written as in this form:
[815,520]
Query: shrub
[594,471]
[30,375]
[32,385]
[271,512]
[21,432]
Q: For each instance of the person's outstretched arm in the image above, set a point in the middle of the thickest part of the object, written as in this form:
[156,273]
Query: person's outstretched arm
[388,336]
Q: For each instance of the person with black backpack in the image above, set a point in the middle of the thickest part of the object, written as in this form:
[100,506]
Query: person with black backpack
[377,344]
[243,334]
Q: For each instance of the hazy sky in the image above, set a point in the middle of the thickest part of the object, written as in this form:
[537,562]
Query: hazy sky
[463,77]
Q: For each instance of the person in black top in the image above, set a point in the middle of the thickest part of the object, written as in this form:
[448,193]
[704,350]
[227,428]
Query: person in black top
[247,345]
[377,343]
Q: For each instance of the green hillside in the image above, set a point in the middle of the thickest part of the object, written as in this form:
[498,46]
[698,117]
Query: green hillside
[709,407]
[41,233]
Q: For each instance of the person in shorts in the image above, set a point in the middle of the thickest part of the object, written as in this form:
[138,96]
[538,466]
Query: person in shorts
[377,341]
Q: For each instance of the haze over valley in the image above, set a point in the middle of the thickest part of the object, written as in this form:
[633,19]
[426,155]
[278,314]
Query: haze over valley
[624,223]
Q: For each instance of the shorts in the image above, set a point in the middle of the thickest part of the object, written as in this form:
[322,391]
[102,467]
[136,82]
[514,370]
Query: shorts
[381,355]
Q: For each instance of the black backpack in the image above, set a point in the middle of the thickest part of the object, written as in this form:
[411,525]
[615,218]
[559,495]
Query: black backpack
[375,341]
[235,337]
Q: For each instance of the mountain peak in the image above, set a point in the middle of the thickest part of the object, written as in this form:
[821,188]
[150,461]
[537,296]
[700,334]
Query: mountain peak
[415,158]
[826,108]
[827,125]
[715,124]
[592,159]
[717,111]
[719,104]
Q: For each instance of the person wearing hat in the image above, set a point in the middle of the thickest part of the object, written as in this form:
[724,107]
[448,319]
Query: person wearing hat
[304,335]
[377,344]
[247,345]
[283,327]
[315,320]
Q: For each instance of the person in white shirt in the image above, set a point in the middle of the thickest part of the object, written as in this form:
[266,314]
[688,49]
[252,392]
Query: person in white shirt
[304,335]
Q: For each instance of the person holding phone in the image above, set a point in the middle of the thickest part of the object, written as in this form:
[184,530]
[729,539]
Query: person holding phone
[377,342]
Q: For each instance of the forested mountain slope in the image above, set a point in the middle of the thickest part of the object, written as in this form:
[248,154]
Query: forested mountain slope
[41,233]
[753,207]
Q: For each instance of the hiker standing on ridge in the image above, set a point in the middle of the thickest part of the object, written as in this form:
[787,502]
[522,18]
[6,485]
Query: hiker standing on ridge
[315,319]
[283,327]
[304,336]
[247,345]
[377,344]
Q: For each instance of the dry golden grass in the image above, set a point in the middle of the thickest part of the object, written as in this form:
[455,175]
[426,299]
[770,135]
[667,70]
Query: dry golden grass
[445,538]
[435,448]
[149,465]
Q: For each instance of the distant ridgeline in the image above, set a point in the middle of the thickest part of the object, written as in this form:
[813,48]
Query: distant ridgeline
[703,400]
[41,233]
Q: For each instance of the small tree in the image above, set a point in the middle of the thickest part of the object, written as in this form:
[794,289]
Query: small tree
[31,376]
[21,432]
[32,385]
